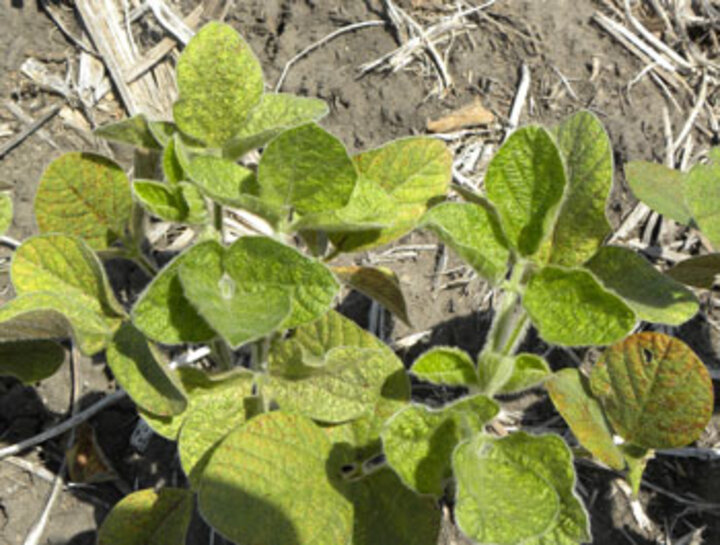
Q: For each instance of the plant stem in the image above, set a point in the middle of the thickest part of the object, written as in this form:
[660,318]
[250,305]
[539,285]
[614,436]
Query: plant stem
[223,354]
[218,219]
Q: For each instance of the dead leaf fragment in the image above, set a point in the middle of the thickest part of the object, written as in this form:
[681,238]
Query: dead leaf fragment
[469,115]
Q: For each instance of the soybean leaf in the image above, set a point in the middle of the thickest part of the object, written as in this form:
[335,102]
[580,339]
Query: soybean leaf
[139,370]
[65,265]
[653,296]
[196,205]
[134,131]
[378,283]
[529,371]
[569,307]
[250,487]
[415,173]
[661,188]
[518,488]
[418,442]
[6,212]
[655,390]
[494,370]
[275,113]
[161,200]
[699,271]
[164,314]
[702,191]
[637,459]
[162,131]
[445,365]
[571,396]
[525,182]
[346,386]
[172,169]
[308,169]
[30,361]
[474,232]
[85,195]
[45,315]
[581,225]
[219,81]
[147,516]
[209,417]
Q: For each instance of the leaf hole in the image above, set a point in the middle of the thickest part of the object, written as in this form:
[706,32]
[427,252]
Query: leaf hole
[647,355]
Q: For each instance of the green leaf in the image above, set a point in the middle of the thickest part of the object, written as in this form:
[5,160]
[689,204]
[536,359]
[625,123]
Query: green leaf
[569,307]
[581,225]
[44,315]
[138,368]
[196,205]
[661,188]
[275,113]
[146,516]
[474,232]
[529,371]
[134,131]
[85,195]
[653,296]
[6,212]
[702,193]
[164,314]
[445,365]
[162,131]
[267,483]
[220,81]
[699,271]
[571,396]
[415,173]
[209,417]
[221,179]
[65,265]
[378,283]
[30,361]
[655,390]
[637,459]
[518,489]
[494,370]
[308,169]
[418,442]
[525,182]
[161,200]
[172,169]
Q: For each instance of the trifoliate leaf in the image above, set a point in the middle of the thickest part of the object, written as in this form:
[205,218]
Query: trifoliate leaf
[30,361]
[702,191]
[655,390]
[377,283]
[529,371]
[661,188]
[445,365]
[134,131]
[569,307]
[700,271]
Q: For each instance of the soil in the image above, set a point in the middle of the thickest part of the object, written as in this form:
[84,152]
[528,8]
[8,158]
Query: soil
[555,38]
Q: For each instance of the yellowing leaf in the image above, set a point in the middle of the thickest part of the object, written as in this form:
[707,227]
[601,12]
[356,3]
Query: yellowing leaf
[378,283]
[661,188]
[700,271]
[445,365]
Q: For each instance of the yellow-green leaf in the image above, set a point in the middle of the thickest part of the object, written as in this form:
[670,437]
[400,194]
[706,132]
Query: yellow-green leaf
[30,361]
[529,371]
[661,188]
[378,283]
[700,271]
[134,131]
[702,193]
[445,365]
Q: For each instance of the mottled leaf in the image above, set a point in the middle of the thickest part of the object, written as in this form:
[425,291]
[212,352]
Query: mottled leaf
[134,131]
[702,193]
[660,187]
[445,365]
[699,271]
[220,81]
[149,517]
[30,361]
[474,232]
[6,212]
[525,182]
[571,396]
[569,307]
[653,296]
[655,390]
[529,371]
[378,283]
[85,195]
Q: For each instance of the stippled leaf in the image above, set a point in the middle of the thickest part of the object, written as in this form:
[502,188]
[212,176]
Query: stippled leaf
[418,442]
[85,195]
[569,307]
[139,369]
[30,361]
[699,271]
[525,182]
[275,113]
[655,390]
[445,365]
[308,169]
[377,283]
[147,516]
[661,188]
[6,212]
[134,131]
[702,193]
[474,232]
[250,487]
[164,314]
[529,371]
[581,225]
[571,396]
[652,295]
[65,265]
[414,172]
[518,489]
[220,81]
